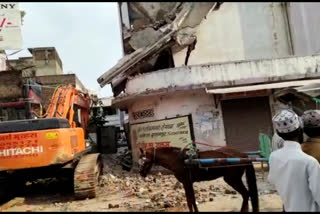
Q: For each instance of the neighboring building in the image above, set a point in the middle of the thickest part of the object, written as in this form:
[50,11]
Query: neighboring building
[47,61]
[23,64]
[44,61]
[19,96]
[29,83]
[21,93]
[50,83]
[224,65]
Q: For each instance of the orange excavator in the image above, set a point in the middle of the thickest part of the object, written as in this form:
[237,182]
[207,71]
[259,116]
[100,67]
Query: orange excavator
[51,145]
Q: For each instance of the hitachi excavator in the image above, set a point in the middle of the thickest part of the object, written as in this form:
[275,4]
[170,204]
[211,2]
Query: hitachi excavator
[51,145]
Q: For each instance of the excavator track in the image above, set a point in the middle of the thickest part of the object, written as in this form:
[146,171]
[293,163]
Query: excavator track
[86,176]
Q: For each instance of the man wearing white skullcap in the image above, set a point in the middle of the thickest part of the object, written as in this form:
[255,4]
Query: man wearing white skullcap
[311,121]
[294,174]
[277,142]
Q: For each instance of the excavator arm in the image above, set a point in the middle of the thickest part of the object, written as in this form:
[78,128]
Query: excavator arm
[65,101]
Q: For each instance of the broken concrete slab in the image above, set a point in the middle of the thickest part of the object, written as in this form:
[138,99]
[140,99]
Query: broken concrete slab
[152,46]
[186,36]
[145,37]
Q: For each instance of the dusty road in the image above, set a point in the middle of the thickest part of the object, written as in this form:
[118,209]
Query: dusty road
[125,191]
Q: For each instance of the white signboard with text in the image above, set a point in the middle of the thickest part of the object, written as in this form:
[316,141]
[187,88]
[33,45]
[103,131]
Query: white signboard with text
[174,132]
[10,26]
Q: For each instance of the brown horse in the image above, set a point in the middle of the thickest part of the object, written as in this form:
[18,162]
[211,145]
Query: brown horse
[173,159]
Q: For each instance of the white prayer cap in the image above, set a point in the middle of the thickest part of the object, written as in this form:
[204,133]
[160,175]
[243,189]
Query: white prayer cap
[286,121]
[311,118]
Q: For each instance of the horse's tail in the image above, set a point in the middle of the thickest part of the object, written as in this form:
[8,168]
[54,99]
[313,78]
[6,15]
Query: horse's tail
[252,185]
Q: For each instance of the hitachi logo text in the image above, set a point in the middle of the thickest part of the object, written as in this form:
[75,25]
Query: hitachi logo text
[21,151]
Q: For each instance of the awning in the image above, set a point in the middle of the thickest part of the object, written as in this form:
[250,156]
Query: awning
[263,86]
[312,90]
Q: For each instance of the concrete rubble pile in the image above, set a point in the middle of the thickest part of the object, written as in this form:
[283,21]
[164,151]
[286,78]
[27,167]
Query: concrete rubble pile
[159,191]
[121,190]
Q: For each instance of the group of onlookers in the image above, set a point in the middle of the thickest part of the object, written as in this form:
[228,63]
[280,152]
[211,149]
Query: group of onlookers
[294,162]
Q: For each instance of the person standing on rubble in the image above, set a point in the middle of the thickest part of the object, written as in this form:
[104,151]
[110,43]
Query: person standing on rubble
[311,122]
[294,173]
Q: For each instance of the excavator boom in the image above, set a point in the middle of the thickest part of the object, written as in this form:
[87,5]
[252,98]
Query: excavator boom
[63,104]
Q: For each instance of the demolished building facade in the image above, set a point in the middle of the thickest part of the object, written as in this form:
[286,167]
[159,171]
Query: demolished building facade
[220,64]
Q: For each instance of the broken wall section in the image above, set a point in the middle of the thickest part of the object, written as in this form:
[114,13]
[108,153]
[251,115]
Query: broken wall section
[141,22]
[149,47]
[144,24]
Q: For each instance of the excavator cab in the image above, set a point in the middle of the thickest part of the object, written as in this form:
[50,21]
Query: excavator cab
[55,141]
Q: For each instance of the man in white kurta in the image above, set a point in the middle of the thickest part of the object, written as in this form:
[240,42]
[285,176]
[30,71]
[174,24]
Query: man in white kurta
[277,142]
[295,175]
[311,122]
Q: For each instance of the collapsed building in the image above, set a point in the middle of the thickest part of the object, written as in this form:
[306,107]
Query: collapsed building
[212,72]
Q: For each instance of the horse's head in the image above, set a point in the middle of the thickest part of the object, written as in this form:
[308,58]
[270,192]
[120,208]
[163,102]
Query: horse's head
[145,162]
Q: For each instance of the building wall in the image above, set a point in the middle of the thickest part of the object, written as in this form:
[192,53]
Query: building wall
[47,68]
[47,61]
[229,74]
[22,63]
[207,121]
[52,81]
[304,21]
[11,85]
[240,31]
[124,14]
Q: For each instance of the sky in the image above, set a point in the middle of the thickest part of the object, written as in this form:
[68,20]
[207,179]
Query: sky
[86,35]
